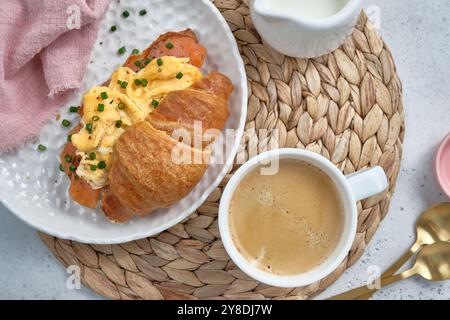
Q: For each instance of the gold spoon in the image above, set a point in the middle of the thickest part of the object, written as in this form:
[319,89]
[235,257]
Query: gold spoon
[432,263]
[432,226]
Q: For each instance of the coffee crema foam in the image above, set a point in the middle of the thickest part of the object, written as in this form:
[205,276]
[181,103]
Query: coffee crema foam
[287,223]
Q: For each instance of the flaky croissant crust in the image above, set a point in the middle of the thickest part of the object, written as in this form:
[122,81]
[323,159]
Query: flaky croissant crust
[144,175]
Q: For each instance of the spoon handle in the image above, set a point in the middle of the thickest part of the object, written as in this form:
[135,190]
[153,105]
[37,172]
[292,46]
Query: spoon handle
[394,268]
[364,290]
[401,261]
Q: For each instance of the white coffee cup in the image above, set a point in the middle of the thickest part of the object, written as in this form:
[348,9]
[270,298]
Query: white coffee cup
[351,188]
[303,37]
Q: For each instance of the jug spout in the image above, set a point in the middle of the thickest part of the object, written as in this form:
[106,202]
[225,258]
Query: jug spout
[265,10]
[262,8]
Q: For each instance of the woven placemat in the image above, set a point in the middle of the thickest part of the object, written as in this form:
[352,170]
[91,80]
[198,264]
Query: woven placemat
[346,106]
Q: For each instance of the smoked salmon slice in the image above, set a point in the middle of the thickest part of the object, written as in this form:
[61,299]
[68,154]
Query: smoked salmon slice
[70,151]
[177,44]
[82,192]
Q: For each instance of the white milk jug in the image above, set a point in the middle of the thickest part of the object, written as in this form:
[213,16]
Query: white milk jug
[305,28]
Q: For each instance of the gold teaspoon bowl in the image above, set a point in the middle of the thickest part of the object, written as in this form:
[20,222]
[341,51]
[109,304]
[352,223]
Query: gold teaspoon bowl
[432,226]
[432,263]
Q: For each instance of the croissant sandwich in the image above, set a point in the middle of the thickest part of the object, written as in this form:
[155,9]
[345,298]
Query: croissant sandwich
[122,152]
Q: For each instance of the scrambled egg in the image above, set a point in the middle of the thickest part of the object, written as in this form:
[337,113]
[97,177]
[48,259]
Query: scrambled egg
[130,97]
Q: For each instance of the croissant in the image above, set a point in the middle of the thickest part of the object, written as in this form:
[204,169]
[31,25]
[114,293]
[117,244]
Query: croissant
[144,176]
[145,172]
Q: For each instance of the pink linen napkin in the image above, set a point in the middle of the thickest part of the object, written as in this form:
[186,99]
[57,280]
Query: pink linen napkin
[45,46]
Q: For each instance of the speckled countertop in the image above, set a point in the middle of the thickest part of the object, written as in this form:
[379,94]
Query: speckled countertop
[418,33]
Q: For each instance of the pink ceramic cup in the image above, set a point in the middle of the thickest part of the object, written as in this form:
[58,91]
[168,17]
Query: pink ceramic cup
[442,166]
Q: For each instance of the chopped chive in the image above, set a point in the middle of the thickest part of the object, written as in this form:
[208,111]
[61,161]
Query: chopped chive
[169,45]
[92,155]
[125,14]
[144,82]
[89,127]
[119,82]
[155,103]
[101,107]
[179,75]
[147,61]
[121,106]
[104,95]
[137,63]
[159,62]
[74,109]
[101,165]
[68,158]
[113,28]
[93,167]
[143,12]
[72,168]
[122,50]
[61,168]
[95,118]
[119,123]
[135,51]
[66,123]
[124,85]
[42,148]
[69,138]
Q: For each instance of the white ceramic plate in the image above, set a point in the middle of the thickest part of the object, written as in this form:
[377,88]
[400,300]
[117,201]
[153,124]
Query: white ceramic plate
[31,185]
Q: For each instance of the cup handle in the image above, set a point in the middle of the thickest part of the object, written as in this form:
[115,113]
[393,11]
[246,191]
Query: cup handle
[368,182]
